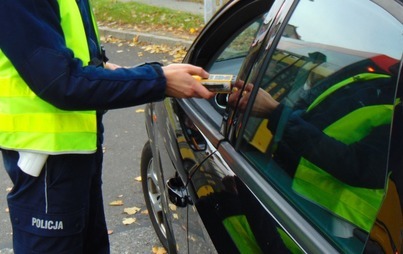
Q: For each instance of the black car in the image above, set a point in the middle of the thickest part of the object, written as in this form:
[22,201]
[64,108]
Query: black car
[305,154]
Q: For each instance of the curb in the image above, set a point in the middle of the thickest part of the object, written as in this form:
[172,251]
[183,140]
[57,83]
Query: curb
[147,37]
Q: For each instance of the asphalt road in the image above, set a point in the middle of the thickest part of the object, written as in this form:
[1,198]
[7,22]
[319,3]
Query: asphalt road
[124,138]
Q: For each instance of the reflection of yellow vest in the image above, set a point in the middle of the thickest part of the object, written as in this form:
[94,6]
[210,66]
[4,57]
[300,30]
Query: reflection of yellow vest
[30,123]
[240,232]
[357,205]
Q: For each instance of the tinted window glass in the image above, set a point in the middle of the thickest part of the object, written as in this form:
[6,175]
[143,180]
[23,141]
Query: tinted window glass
[233,53]
[321,120]
[239,47]
[235,50]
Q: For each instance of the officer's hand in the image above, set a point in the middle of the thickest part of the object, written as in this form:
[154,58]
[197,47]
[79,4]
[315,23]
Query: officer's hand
[181,84]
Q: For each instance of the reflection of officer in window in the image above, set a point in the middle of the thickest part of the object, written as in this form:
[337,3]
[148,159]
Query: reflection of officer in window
[336,147]
[239,222]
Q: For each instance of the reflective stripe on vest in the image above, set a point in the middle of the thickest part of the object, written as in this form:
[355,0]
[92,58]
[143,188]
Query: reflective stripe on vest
[241,234]
[357,205]
[30,123]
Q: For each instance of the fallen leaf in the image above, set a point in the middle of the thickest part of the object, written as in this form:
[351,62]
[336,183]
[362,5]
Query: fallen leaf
[172,207]
[144,212]
[136,39]
[128,221]
[116,203]
[7,210]
[158,250]
[9,189]
[110,232]
[175,215]
[138,179]
[141,110]
[177,60]
[131,210]
[120,196]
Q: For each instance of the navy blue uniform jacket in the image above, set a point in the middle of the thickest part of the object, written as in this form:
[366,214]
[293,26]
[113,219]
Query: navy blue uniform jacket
[31,37]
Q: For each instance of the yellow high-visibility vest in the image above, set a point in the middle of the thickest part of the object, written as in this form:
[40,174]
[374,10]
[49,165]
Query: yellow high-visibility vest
[356,205]
[28,123]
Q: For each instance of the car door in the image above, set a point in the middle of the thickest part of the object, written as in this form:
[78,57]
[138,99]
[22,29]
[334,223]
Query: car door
[243,200]
[321,66]
[234,219]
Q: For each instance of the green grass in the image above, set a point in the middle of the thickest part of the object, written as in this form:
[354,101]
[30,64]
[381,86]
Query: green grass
[142,15]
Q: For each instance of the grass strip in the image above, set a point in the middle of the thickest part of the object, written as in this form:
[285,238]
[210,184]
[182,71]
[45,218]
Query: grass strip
[143,15]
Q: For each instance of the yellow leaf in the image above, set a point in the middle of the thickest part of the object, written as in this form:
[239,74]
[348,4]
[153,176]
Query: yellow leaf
[135,39]
[116,203]
[144,212]
[158,250]
[131,210]
[141,110]
[172,207]
[177,60]
[128,221]
[138,179]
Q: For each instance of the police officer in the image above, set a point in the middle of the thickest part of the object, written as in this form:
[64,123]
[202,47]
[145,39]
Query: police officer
[53,93]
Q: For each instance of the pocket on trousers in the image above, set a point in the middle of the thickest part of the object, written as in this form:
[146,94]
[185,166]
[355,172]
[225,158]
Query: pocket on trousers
[38,232]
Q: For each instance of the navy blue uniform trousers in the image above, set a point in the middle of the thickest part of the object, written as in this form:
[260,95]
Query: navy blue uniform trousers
[61,211]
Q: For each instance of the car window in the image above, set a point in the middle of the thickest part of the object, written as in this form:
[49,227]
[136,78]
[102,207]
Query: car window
[319,127]
[230,58]
[239,47]
[234,51]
